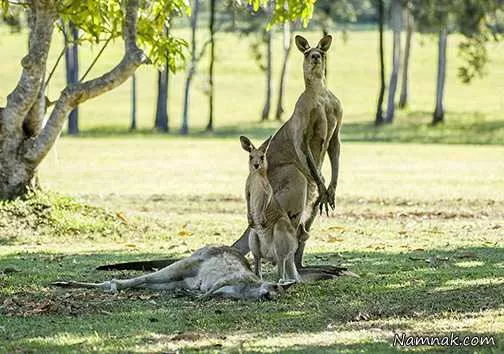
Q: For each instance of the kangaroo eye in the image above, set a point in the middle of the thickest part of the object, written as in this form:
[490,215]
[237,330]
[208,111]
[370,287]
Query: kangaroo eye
[250,158]
[262,158]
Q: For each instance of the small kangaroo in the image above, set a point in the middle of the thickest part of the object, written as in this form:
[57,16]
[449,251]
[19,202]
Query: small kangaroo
[273,237]
[210,271]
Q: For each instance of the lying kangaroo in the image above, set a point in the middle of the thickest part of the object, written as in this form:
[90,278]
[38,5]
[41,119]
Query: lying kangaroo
[296,152]
[210,271]
[272,236]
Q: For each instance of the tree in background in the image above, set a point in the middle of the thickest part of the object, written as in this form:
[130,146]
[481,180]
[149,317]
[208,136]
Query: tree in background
[71,36]
[396,21]
[268,69]
[438,115]
[287,44]
[260,47]
[192,67]
[211,28]
[161,121]
[133,125]
[408,17]
[475,21]
[379,119]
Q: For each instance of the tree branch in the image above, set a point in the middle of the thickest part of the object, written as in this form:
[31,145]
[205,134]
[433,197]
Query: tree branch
[74,95]
[24,96]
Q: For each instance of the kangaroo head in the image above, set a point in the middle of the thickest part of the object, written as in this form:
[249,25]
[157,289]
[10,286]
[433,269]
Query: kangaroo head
[314,58]
[257,157]
[271,291]
[262,291]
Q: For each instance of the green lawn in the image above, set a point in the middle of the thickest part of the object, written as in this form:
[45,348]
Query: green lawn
[475,112]
[398,205]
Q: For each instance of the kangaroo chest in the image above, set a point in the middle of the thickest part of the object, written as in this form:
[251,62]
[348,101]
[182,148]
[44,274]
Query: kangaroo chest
[323,121]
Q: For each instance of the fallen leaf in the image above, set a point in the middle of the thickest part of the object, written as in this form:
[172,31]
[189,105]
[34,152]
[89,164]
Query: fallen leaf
[184,233]
[333,239]
[122,217]
[337,227]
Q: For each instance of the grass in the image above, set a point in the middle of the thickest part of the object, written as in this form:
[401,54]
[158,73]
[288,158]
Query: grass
[475,112]
[421,224]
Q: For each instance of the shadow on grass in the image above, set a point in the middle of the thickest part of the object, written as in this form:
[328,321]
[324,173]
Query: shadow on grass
[409,127]
[394,293]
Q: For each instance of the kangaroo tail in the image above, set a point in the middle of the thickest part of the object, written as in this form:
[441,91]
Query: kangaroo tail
[242,244]
[76,284]
[138,265]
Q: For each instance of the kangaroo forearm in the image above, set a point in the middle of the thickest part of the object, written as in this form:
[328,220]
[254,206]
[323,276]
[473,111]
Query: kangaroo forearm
[313,168]
[334,156]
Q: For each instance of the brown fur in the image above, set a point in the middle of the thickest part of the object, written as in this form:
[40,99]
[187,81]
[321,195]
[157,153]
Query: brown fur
[296,152]
[210,271]
[272,237]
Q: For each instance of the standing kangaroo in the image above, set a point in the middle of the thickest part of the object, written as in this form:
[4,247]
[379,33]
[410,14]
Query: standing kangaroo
[296,152]
[272,235]
[210,271]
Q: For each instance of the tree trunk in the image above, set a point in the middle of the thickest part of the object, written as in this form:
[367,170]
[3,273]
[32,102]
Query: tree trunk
[379,109]
[438,115]
[403,98]
[210,126]
[161,123]
[396,59]
[184,130]
[287,41]
[133,125]
[17,175]
[25,136]
[269,83]
[72,74]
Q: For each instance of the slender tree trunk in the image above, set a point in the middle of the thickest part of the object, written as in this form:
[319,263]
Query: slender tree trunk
[396,59]
[184,130]
[438,115]
[133,125]
[287,43]
[210,126]
[72,74]
[381,19]
[269,83]
[161,123]
[403,98]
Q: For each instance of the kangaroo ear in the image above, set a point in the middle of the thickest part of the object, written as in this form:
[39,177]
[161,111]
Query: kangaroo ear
[325,43]
[286,285]
[264,146]
[302,43]
[246,144]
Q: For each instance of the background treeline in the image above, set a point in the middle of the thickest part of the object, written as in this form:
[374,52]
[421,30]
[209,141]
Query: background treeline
[211,23]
